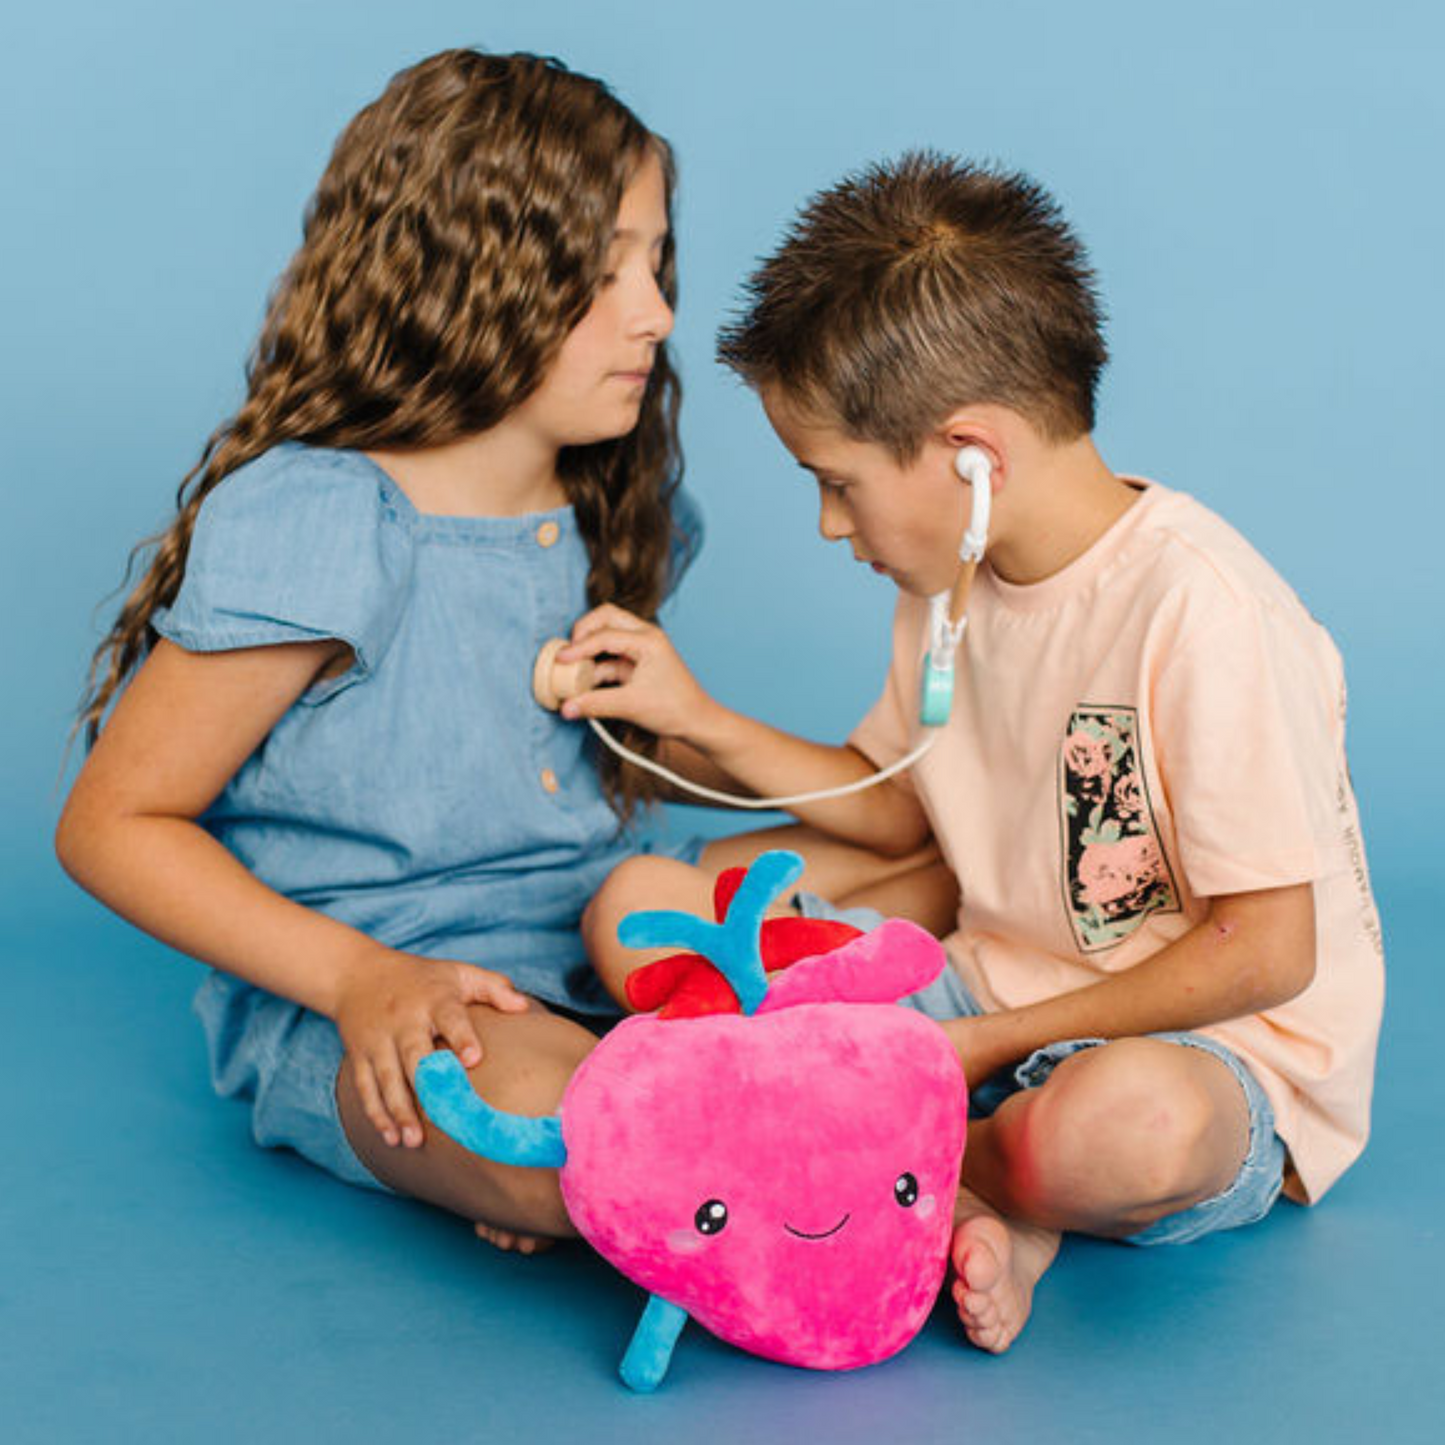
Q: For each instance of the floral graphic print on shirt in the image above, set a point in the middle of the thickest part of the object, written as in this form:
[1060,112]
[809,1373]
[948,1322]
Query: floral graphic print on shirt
[1115,873]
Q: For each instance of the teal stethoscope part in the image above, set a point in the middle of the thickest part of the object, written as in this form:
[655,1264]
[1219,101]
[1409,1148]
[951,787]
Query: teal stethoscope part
[936,701]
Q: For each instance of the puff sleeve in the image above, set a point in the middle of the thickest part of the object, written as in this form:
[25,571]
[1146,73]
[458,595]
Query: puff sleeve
[299,545]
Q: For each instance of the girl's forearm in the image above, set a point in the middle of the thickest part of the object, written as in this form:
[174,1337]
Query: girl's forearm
[169,877]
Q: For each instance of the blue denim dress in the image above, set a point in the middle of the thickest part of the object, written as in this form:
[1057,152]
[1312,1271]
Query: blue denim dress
[422,796]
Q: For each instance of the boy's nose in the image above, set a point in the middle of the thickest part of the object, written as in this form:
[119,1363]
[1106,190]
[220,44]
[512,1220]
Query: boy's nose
[833,523]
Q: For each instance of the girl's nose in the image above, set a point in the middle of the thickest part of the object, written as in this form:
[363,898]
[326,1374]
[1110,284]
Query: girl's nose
[654,316]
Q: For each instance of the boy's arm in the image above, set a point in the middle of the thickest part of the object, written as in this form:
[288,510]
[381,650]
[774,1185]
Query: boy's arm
[643,680]
[1253,951]
[694,765]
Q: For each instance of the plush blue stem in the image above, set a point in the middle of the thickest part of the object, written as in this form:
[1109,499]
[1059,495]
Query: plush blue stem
[650,1353]
[458,1110]
[731,945]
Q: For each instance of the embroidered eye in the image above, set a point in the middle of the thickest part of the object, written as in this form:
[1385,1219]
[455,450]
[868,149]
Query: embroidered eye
[905,1190]
[711,1217]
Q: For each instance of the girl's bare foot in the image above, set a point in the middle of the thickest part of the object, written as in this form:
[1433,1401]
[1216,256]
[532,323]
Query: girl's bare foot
[996,1264]
[509,1239]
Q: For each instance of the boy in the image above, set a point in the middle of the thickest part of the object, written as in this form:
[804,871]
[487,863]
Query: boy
[1167,974]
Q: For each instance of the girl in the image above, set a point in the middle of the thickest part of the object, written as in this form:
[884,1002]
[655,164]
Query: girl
[325,774]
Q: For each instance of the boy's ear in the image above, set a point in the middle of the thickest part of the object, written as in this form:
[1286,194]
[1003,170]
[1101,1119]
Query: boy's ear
[964,428]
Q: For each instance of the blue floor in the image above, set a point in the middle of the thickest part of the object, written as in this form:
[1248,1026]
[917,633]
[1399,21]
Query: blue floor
[162,1280]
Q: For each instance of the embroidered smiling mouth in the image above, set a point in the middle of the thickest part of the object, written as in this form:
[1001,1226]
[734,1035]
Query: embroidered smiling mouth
[801,1235]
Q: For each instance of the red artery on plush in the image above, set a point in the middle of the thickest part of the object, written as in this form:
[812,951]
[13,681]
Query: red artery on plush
[686,985]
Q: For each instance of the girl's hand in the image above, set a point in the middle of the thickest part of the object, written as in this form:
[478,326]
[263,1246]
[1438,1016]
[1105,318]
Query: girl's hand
[394,1009]
[641,679]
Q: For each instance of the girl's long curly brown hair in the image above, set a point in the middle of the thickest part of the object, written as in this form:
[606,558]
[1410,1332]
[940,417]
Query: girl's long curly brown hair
[458,234]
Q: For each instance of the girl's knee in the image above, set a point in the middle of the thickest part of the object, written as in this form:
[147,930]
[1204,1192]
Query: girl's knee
[526,1076]
[527,1059]
[527,1062]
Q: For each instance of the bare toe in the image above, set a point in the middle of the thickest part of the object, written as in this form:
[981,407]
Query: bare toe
[981,1251]
[996,1266]
[510,1240]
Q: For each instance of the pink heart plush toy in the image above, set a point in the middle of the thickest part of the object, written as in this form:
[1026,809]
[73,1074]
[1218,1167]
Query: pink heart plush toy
[785,1175]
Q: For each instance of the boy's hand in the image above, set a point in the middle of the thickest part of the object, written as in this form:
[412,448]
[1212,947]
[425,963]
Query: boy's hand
[641,679]
[392,1010]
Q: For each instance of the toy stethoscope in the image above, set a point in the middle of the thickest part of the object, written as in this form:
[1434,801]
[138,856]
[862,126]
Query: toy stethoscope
[554,682]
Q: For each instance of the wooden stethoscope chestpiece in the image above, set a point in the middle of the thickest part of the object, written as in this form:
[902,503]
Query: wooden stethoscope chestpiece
[554,682]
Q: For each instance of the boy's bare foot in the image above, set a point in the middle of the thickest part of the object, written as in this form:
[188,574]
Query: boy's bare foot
[509,1239]
[996,1264]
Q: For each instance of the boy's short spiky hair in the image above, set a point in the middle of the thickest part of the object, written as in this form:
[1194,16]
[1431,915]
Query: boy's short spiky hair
[918,286]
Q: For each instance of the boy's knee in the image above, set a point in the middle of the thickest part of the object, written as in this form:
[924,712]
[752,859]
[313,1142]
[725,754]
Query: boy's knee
[1129,1128]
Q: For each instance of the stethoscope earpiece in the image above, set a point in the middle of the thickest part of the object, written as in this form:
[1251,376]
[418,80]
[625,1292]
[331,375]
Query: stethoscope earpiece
[973,465]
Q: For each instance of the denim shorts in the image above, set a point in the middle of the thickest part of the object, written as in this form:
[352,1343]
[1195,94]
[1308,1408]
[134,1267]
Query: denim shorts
[1244,1201]
[284,1060]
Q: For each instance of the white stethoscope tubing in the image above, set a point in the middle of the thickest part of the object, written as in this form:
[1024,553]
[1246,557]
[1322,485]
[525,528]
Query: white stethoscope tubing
[734,800]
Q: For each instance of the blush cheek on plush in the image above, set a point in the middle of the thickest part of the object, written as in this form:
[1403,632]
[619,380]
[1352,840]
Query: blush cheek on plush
[868,1168]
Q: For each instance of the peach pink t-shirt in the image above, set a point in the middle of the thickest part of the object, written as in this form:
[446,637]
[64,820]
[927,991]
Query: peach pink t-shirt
[1158,723]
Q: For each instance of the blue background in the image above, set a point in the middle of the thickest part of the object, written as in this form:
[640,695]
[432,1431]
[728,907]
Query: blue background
[1259,188]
